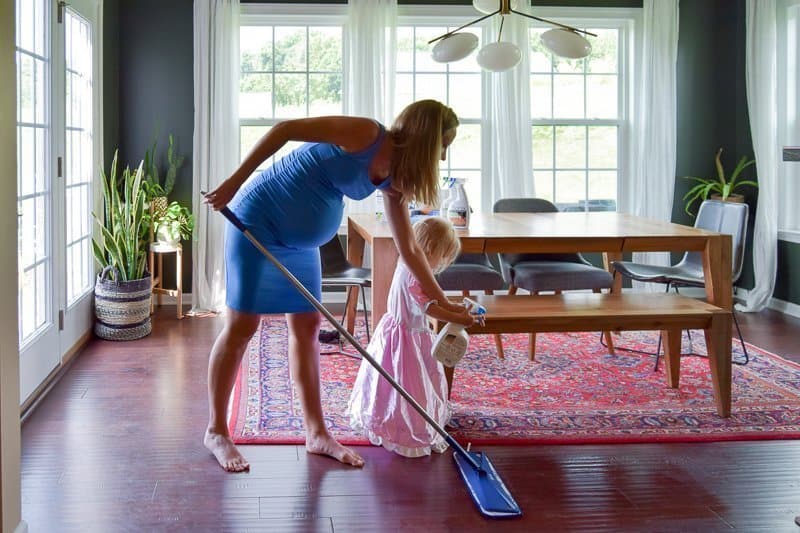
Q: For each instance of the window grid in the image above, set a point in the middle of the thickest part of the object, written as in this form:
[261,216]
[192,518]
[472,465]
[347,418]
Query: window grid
[554,122]
[33,149]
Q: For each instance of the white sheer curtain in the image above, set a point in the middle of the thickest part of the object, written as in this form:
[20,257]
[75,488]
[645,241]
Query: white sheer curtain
[762,82]
[370,39]
[216,145]
[508,120]
[653,182]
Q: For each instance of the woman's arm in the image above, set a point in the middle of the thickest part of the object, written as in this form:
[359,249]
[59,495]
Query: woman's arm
[350,133]
[410,252]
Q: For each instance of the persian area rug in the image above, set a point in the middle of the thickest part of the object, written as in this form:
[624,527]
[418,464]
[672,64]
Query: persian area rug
[574,393]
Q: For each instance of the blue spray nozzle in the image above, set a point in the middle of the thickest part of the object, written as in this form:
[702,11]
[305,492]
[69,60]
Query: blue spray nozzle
[474,307]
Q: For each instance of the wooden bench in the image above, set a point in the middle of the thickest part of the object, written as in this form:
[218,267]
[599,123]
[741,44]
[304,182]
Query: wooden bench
[620,312]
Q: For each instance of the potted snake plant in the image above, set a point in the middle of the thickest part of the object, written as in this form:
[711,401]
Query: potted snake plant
[123,288]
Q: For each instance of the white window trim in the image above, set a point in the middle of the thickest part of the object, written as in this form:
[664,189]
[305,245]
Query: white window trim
[788,92]
[288,14]
[629,22]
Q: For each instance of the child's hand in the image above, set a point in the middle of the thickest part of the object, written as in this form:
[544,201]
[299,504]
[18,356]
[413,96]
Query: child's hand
[465,318]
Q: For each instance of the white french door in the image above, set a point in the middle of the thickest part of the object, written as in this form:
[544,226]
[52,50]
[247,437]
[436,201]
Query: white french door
[58,137]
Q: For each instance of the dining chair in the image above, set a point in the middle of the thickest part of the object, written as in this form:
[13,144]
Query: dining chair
[338,272]
[720,217]
[539,273]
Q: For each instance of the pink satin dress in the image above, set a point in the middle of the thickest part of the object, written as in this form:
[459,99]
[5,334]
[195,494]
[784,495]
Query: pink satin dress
[402,344]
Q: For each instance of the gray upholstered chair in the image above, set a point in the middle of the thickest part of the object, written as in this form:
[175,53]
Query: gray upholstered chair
[338,272]
[473,272]
[539,273]
[721,217]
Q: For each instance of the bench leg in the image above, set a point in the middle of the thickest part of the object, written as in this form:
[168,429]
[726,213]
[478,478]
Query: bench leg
[672,358]
[718,343]
[532,346]
[607,334]
[448,374]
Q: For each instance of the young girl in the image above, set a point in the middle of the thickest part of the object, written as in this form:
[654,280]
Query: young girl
[402,344]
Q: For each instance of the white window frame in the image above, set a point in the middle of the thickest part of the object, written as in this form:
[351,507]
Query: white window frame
[291,15]
[628,22]
[788,37]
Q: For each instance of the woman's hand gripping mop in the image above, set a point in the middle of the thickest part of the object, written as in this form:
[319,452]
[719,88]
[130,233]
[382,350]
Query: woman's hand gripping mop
[485,486]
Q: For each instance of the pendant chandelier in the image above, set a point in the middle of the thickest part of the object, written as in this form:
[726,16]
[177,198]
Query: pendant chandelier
[564,41]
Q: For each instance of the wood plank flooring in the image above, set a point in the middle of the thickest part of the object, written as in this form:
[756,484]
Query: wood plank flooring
[116,447]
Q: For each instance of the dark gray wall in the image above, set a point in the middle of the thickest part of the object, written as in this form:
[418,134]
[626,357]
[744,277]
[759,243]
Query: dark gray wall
[149,91]
[154,96]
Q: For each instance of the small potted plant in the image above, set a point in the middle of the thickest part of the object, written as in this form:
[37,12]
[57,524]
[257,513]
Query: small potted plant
[174,224]
[157,192]
[719,188]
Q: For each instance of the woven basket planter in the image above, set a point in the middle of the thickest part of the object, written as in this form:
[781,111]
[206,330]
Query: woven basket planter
[121,308]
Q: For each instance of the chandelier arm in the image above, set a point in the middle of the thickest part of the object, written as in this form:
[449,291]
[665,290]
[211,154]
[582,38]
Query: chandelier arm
[564,26]
[448,34]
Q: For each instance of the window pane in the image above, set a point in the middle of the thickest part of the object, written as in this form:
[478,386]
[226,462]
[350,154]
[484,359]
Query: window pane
[543,184]
[404,90]
[601,96]
[603,58]
[570,147]
[568,96]
[325,49]
[567,66]
[325,94]
[602,147]
[405,49]
[255,48]
[570,189]
[290,49]
[602,191]
[541,96]
[424,61]
[255,96]
[465,94]
[249,136]
[431,86]
[540,57]
[542,137]
[465,152]
[290,96]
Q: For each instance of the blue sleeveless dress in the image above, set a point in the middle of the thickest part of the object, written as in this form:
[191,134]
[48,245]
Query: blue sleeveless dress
[292,208]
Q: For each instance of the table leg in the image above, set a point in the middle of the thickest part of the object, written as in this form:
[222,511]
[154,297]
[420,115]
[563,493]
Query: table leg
[672,355]
[718,271]
[355,255]
[384,260]
[718,343]
[608,260]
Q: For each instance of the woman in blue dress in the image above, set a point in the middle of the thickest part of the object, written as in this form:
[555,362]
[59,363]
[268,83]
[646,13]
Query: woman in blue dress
[292,208]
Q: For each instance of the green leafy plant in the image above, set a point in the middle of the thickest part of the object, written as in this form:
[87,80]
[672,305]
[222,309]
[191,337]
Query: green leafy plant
[721,185]
[176,223]
[152,174]
[124,225]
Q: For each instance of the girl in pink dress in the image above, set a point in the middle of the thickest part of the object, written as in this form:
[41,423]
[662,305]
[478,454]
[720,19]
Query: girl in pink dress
[402,344]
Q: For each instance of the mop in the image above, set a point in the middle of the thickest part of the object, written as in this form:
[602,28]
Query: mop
[485,486]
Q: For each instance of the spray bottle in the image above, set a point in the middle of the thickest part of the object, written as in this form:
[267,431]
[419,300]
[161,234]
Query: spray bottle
[446,195]
[451,343]
[458,209]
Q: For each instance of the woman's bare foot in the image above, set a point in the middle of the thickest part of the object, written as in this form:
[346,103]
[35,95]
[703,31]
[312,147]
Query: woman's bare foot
[324,444]
[225,451]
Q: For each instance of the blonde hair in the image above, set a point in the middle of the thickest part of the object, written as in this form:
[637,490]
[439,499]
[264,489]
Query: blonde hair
[417,133]
[437,236]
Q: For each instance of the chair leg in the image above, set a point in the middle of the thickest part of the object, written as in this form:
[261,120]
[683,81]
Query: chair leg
[498,338]
[741,340]
[363,291]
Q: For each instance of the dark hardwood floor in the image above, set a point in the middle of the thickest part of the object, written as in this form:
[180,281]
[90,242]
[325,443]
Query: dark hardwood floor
[116,446]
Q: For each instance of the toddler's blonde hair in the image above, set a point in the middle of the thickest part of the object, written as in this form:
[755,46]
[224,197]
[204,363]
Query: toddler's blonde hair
[437,236]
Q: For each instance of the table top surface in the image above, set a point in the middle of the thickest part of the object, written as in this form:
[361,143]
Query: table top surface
[572,225]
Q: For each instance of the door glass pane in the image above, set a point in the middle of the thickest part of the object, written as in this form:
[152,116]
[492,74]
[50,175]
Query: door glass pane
[33,172]
[79,153]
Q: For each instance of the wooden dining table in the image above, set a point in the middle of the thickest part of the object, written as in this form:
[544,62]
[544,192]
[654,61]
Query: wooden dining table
[609,233]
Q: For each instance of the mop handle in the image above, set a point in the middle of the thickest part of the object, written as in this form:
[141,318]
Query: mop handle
[227,213]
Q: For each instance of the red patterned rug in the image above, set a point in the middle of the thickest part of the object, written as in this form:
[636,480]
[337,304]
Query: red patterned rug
[575,392]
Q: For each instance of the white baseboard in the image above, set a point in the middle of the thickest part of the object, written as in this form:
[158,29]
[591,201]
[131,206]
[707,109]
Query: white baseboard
[783,306]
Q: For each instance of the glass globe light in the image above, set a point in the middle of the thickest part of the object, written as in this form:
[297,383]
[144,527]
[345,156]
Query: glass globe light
[454,47]
[499,56]
[566,43]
